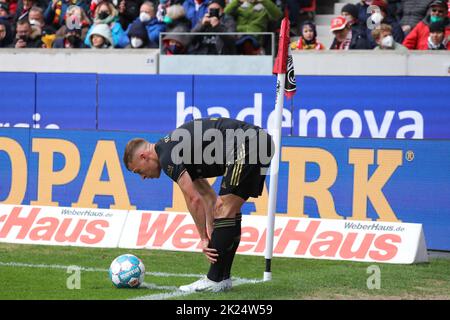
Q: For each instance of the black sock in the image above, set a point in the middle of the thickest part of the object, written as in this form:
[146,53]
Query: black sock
[223,240]
[230,254]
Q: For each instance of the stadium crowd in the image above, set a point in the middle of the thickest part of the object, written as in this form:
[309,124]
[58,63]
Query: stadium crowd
[229,26]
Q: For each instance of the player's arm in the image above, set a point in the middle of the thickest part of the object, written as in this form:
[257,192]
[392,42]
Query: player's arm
[198,209]
[210,197]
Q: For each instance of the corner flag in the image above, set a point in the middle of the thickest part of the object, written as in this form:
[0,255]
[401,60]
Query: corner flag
[284,68]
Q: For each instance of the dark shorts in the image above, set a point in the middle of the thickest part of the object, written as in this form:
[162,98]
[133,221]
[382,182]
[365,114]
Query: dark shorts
[246,175]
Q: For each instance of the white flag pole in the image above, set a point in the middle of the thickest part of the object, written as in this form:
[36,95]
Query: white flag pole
[280,68]
[274,169]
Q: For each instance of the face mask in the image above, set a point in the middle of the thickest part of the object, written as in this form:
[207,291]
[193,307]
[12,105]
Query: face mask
[167,20]
[144,17]
[435,19]
[34,22]
[103,15]
[376,18]
[136,42]
[173,48]
[387,42]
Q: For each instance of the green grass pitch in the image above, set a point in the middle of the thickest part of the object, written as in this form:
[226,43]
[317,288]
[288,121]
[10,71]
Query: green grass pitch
[31,272]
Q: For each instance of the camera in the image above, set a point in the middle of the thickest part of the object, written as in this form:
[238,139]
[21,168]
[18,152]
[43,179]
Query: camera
[214,12]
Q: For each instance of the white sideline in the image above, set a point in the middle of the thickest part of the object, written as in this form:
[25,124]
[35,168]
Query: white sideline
[58,266]
[178,293]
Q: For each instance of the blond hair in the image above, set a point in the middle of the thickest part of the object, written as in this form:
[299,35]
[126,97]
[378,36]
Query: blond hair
[376,33]
[176,11]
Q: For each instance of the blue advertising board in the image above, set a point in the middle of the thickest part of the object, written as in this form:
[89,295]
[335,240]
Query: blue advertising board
[358,179]
[324,106]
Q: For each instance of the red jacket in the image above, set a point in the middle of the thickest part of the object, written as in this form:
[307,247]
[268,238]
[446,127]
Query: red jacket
[417,39]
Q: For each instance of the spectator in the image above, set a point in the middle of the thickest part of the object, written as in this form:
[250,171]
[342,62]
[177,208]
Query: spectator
[174,43]
[75,18]
[383,17]
[176,17]
[128,12]
[350,13]
[384,39]
[417,39]
[101,37]
[437,39]
[362,7]
[56,11]
[72,38]
[215,21]
[36,18]
[411,12]
[252,16]
[23,6]
[4,11]
[138,35]
[294,8]
[308,38]
[12,7]
[106,13]
[345,38]
[162,9]
[195,10]
[147,16]
[40,29]
[6,35]
[23,36]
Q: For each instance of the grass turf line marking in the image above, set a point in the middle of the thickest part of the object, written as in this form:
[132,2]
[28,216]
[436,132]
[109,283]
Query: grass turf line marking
[178,293]
[58,266]
[161,296]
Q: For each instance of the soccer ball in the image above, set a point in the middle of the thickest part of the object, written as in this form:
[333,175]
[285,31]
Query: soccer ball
[127,271]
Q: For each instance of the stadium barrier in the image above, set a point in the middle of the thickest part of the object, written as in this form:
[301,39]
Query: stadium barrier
[324,106]
[380,180]
[401,243]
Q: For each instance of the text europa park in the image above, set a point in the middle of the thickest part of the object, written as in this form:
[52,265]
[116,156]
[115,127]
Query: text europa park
[106,157]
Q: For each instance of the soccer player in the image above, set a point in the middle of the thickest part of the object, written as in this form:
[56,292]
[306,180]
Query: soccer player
[199,149]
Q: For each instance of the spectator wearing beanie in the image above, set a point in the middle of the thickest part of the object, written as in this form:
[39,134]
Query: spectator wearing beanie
[4,11]
[350,13]
[138,36]
[345,38]
[72,38]
[417,39]
[437,39]
[308,38]
[6,35]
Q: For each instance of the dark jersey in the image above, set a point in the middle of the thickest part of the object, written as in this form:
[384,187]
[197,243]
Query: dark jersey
[203,147]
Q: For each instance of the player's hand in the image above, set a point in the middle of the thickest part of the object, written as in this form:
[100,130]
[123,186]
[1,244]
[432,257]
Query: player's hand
[210,253]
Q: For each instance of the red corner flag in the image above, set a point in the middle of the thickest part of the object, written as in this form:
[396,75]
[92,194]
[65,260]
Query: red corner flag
[284,63]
